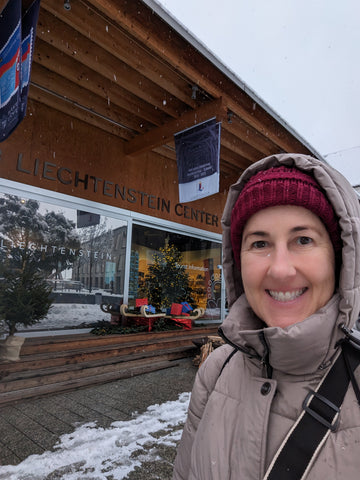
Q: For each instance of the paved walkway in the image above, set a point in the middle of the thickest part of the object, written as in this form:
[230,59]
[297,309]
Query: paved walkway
[34,426]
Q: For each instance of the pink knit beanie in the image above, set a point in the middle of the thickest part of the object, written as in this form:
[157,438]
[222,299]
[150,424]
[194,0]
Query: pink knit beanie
[282,186]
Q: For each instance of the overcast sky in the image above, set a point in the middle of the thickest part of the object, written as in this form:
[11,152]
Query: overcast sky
[301,58]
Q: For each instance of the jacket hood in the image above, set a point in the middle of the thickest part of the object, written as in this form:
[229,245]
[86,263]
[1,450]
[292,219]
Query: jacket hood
[346,206]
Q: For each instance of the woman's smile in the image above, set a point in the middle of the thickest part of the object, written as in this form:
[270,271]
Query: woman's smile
[286,296]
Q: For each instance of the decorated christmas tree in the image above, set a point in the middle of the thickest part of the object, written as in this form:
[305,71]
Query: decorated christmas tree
[167,281]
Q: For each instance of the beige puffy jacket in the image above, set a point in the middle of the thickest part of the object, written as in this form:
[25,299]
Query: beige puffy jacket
[238,419]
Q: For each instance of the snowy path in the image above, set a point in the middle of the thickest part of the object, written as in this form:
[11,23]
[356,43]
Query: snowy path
[94,453]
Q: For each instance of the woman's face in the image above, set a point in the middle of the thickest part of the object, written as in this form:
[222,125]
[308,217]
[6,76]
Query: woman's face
[287,264]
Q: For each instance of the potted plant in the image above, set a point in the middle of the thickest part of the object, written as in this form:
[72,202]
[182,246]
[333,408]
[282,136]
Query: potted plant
[24,300]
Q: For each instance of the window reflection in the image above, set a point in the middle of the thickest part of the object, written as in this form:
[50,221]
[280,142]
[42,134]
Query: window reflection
[80,254]
[201,259]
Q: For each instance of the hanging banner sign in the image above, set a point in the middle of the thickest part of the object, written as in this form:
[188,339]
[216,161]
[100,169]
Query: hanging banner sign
[198,160]
[87,219]
[17,36]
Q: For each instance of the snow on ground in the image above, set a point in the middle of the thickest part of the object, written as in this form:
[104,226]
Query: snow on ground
[62,315]
[97,453]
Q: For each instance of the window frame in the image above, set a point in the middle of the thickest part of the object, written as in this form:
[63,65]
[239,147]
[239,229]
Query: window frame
[131,217]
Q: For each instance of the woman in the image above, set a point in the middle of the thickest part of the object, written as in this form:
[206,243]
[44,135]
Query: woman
[291,264]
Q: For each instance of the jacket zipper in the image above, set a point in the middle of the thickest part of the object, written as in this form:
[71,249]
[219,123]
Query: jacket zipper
[265,358]
[247,351]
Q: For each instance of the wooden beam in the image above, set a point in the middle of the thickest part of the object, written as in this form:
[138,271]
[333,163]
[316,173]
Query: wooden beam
[36,93]
[234,159]
[72,43]
[154,32]
[86,100]
[251,136]
[165,152]
[228,169]
[239,147]
[69,68]
[162,135]
[107,34]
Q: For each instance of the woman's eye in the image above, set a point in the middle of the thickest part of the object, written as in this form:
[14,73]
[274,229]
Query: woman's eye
[259,244]
[304,240]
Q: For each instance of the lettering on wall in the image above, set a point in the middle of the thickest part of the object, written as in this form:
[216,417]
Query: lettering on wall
[8,245]
[106,188]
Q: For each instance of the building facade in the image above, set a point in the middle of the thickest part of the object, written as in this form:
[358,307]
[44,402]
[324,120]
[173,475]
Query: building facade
[93,166]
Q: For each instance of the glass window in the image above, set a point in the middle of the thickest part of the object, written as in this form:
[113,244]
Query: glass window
[80,254]
[201,262]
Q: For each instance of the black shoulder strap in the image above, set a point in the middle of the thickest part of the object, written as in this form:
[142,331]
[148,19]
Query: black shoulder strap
[228,358]
[319,417]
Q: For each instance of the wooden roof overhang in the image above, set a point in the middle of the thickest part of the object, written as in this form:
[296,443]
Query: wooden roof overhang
[128,68]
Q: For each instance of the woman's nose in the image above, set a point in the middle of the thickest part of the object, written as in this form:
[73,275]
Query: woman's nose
[281,264]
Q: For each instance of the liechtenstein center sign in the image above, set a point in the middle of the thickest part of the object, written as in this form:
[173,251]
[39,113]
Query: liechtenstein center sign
[198,160]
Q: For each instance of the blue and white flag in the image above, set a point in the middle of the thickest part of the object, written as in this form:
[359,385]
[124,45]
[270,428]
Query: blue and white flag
[17,36]
[198,160]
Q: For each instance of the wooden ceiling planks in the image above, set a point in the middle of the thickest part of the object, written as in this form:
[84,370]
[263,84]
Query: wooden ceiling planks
[119,66]
[165,42]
